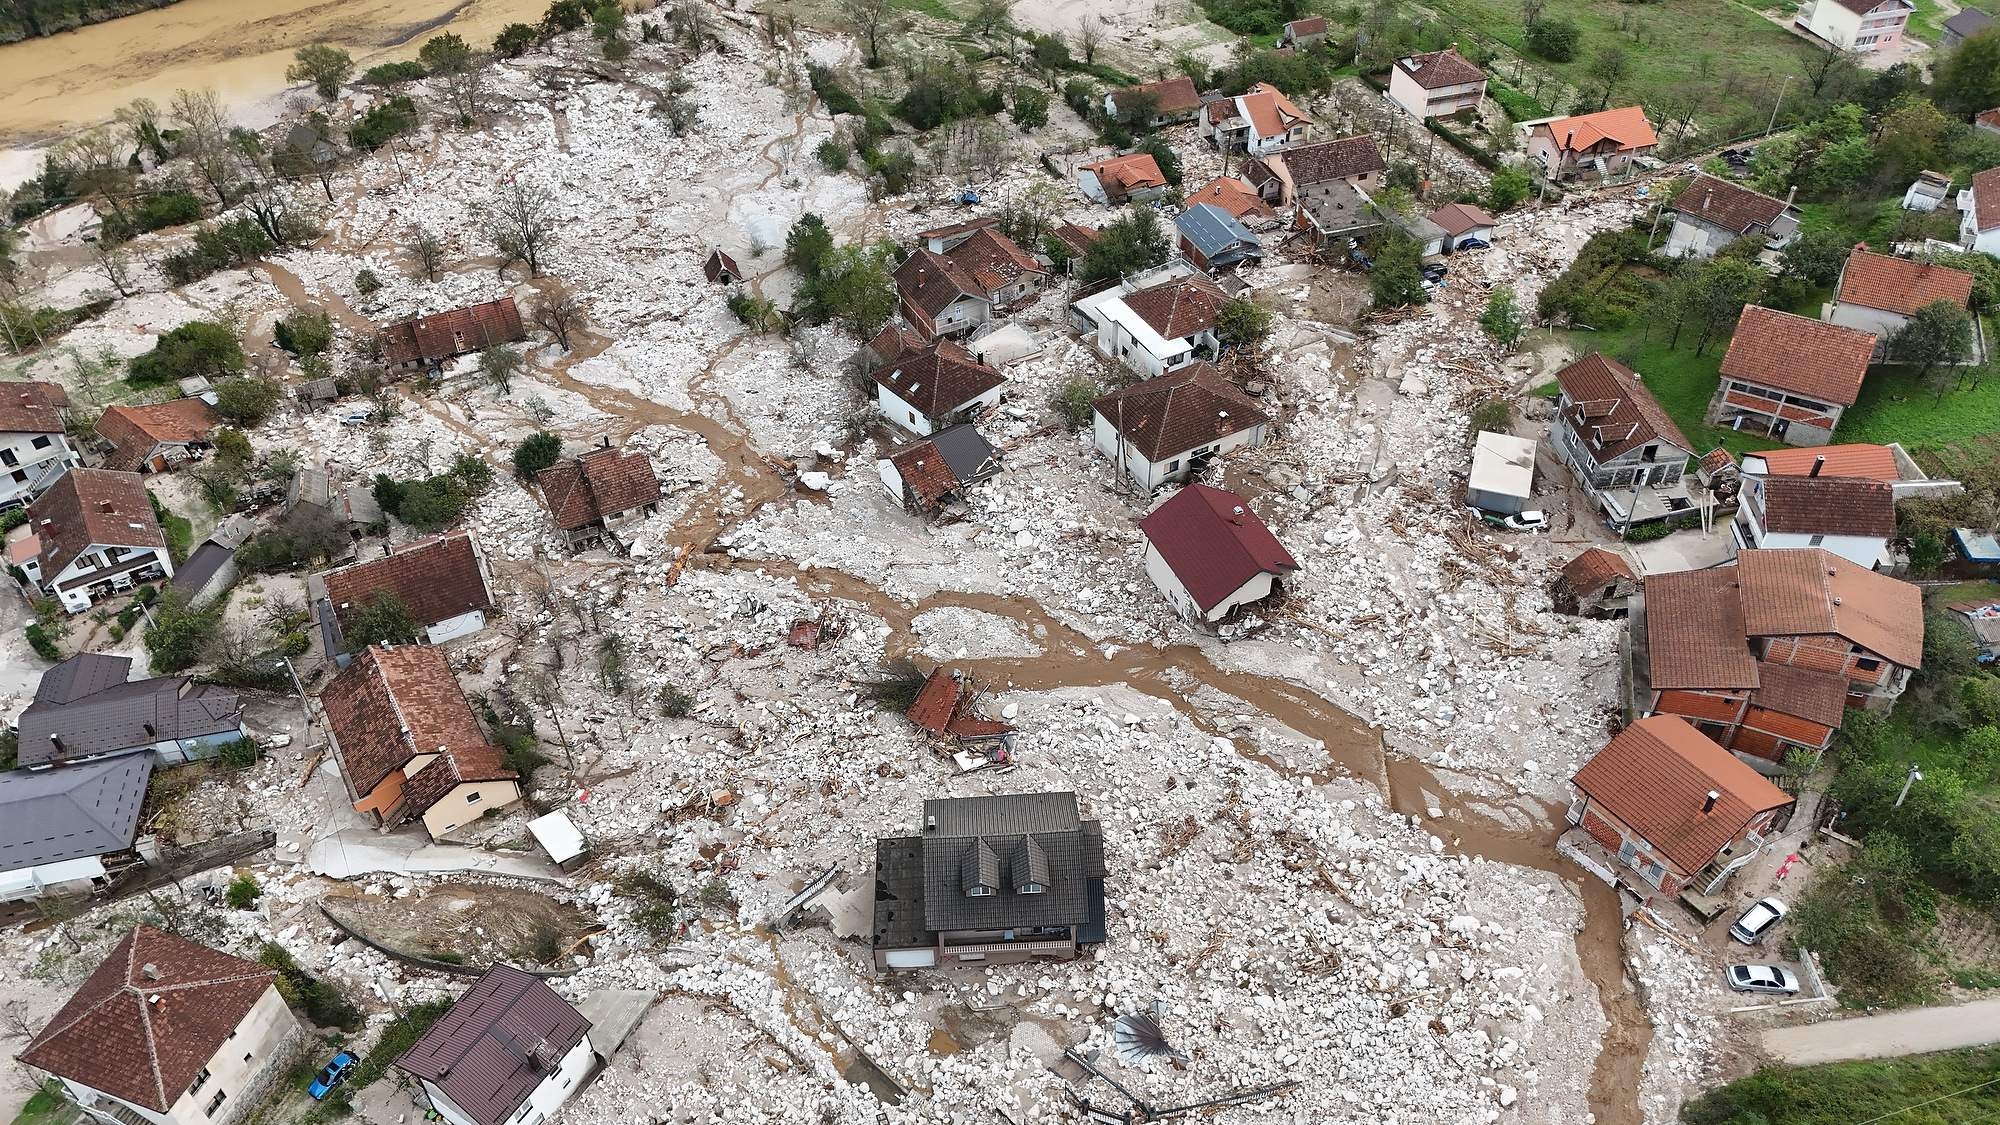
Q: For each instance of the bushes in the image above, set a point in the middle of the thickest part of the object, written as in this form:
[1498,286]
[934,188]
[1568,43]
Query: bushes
[246,401]
[238,753]
[196,348]
[676,702]
[306,535]
[304,333]
[180,633]
[1592,290]
[514,40]
[1495,415]
[897,687]
[536,452]
[833,155]
[389,74]
[1518,105]
[323,1004]
[1030,108]
[1072,401]
[169,208]
[432,503]
[1554,39]
[383,619]
[656,910]
[231,242]
[826,86]
[243,892]
[43,644]
[1247,17]
[942,93]
[1508,188]
[383,123]
[1870,921]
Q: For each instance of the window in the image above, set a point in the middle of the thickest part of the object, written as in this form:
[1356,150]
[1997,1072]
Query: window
[978,892]
[41,441]
[1032,888]
[1816,540]
[200,1080]
[7,457]
[215,1103]
[472,798]
[20,476]
[248,1055]
[1867,664]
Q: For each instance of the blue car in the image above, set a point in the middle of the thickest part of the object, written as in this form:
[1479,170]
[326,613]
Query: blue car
[331,1074]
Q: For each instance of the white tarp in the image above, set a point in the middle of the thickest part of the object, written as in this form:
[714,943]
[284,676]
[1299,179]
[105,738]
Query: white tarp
[557,836]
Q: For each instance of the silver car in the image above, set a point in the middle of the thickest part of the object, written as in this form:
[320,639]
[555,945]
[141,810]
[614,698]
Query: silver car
[1762,978]
[1757,921]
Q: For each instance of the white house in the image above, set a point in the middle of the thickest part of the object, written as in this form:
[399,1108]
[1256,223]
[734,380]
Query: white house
[1164,430]
[1891,464]
[1438,84]
[34,448]
[1132,178]
[1462,223]
[1157,329]
[442,581]
[1927,192]
[926,390]
[509,1052]
[1852,517]
[1710,213]
[937,297]
[1260,120]
[1856,25]
[1979,213]
[1604,143]
[95,534]
[1210,554]
[167,1032]
[1879,294]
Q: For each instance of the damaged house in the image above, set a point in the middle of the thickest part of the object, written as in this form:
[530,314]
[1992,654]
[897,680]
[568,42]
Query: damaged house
[1210,554]
[34,440]
[91,535]
[1132,178]
[428,341]
[591,497]
[1852,517]
[1605,143]
[1599,581]
[1159,103]
[947,709]
[992,880]
[1879,294]
[931,474]
[442,582]
[1162,327]
[1258,121]
[86,708]
[1790,377]
[156,438]
[1624,449]
[1164,430]
[1710,213]
[927,390]
[1299,174]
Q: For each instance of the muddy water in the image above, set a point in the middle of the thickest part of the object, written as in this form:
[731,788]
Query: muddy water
[240,49]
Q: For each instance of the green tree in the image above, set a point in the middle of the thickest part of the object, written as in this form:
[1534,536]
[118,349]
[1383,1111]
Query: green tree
[445,54]
[323,66]
[1844,165]
[1938,333]
[565,15]
[1132,242]
[384,619]
[1397,277]
[195,348]
[607,23]
[245,401]
[243,892]
[855,290]
[514,40]
[809,246]
[1968,79]
[432,504]
[1508,188]
[1029,108]
[499,363]
[536,452]
[1073,401]
[180,633]
[1163,154]
[1555,39]
[1242,322]
[1709,296]
[1502,319]
[1814,257]
[1911,136]
[305,332]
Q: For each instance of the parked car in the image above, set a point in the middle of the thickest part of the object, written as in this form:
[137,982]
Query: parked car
[331,1074]
[1762,978]
[1436,271]
[1757,921]
[1474,243]
[1531,520]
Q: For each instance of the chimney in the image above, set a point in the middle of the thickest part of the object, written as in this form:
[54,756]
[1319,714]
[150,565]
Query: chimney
[930,823]
[1708,806]
[55,740]
[1791,194]
[104,506]
[1819,463]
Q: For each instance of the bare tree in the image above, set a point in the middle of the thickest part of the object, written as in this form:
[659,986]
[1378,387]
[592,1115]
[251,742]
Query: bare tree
[561,314]
[521,226]
[465,89]
[873,20]
[498,363]
[429,250]
[1089,34]
[112,263]
[203,137]
[141,121]
[95,161]
[1822,67]
[1531,11]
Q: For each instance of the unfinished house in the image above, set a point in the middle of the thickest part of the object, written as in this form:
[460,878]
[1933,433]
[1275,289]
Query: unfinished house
[1298,174]
[442,581]
[86,707]
[1789,376]
[928,390]
[428,341]
[1599,582]
[1677,811]
[1150,105]
[929,476]
[1879,294]
[1626,453]
[992,880]
[1853,517]
[71,829]
[91,535]
[34,441]
[157,438]
[1605,143]
[408,743]
[1166,430]
[592,497]
[1132,178]
[508,1052]
[1437,84]
[947,709]
[1891,464]
[1711,213]
[1210,555]
[167,1032]
[1259,121]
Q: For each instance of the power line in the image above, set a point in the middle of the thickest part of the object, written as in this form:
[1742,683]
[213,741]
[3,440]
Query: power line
[1939,1098]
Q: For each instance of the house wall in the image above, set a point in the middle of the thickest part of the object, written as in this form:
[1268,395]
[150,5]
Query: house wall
[32,468]
[1665,469]
[1748,532]
[1419,102]
[467,803]
[1789,418]
[1632,850]
[1884,324]
[541,1102]
[1831,22]
[962,315]
[1177,595]
[82,583]
[244,1069]
[892,480]
[1969,234]
[1873,682]
[1092,189]
[452,628]
[1151,475]
[1732,719]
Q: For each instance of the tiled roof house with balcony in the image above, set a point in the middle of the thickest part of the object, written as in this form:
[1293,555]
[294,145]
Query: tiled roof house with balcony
[1624,449]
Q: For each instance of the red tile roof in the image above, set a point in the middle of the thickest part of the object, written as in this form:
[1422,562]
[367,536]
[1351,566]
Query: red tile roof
[393,704]
[145,1022]
[1460,218]
[1311,25]
[1439,69]
[1612,410]
[1808,592]
[600,484]
[32,408]
[1189,408]
[92,506]
[1625,127]
[1178,308]
[1899,285]
[1233,196]
[1876,462]
[1123,175]
[1213,543]
[1595,567]
[1730,206]
[1986,199]
[924,470]
[437,579]
[992,260]
[433,339]
[1077,237]
[938,380]
[134,431]
[1656,776]
[1271,113]
[1826,505]
[932,282]
[497,1043]
[1802,692]
[1798,355]
[1170,95]
[1340,159]
[1694,631]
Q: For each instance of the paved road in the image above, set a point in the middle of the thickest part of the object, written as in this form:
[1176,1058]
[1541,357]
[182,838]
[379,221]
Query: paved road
[1910,1032]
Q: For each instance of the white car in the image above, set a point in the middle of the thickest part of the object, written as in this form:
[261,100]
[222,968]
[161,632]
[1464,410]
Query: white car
[1762,978]
[1757,921]
[1526,521]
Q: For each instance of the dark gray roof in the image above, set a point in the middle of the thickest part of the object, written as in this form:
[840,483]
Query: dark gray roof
[967,452]
[496,1044]
[194,575]
[1968,22]
[1006,842]
[86,673]
[116,718]
[47,816]
[899,893]
[1213,230]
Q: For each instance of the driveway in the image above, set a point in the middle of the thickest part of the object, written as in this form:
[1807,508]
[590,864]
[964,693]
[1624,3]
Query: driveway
[1912,1032]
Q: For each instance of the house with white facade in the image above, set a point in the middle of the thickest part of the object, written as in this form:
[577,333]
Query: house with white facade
[1891,464]
[509,1052]
[1879,294]
[1710,213]
[167,1032]
[1164,430]
[1437,84]
[1210,555]
[1132,178]
[1157,329]
[1861,26]
[1258,121]
[927,390]
[1979,214]
[937,298]
[1853,517]
[1790,377]
[1927,192]
[1618,441]
[34,446]
[1161,103]
[94,535]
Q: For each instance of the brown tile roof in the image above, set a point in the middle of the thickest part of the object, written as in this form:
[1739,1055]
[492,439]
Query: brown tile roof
[1656,776]
[1899,285]
[92,506]
[1988,117]
[32,408]
[1320,161]
[1596,567]
[1825,505]
[924,470]
[935,704]
[992,260]
[1440,69]
[496,1044]
[1171,95]
[1694,631]
[393,704]
[1077,237]
[145,1022]
[1986,199]
[1804,692]
[1167,416]
[938,380]
[1625,127]
[931,281]
[1808,592]
[1732,207]
[1271,112]
[1800,355]
[433,339]
[1612,410]
[1213,543]
[1123,175]
[950,229]
[1311,25]
[134,431]
[1178,308]
[1876,462]
[582,490]
[437,579]
[1460,218]
[1233,196]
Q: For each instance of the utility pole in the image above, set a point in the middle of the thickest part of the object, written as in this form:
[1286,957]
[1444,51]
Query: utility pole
[1775,105]
[1915,776]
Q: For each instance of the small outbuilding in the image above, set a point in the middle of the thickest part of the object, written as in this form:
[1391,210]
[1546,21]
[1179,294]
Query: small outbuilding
[1503,473]
[721,269]
[559,836]
[1462,222]
[1213,239]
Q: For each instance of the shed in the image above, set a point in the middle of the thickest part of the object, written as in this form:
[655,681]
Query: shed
[559,836]
[1503,473]
[721,268]
[1008,343]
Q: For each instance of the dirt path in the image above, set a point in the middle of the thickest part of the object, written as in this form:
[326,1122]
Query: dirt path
[1888,1035]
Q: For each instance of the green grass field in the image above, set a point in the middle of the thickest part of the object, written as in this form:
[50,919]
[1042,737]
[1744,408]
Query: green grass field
[46,1108]
[1953,1088]
[1676,43]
